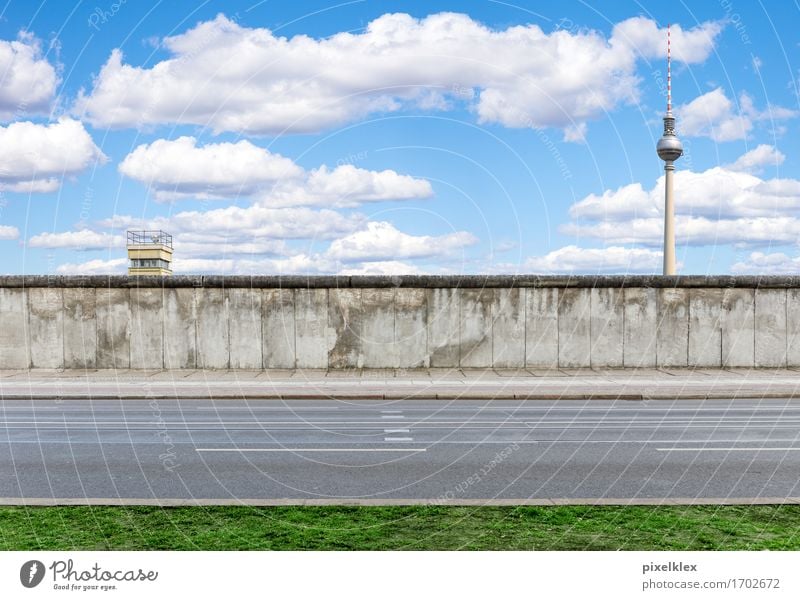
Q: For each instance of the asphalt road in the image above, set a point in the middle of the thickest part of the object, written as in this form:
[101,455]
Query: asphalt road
[413,450]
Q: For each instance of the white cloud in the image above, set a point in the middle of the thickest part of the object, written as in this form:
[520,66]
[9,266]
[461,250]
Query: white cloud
[776,263]
[7,232]
[645,37]
[717,206]
[179,168]
[232,78]
[250,224]
[84,239]
[36,158]
[613,259]
[346,186]
[761,156]
[27,80]
[713,115]
[116,266]
[382,267]
[381,241]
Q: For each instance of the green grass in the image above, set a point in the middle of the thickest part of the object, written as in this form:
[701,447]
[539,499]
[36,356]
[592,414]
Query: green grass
[401,528]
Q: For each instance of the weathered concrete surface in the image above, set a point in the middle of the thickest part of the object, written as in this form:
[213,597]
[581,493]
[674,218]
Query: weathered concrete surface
[147,328]
[80,328]
[541,328]
[113,328]
[770,328]
[410,330]
[607,324]
[574,327]
[245,328]
[793,328]
[705,322]
[377,328]
[311,324]
[738,328]
[354,327]
[180,328]
[46,327]
[640,314]
[14,339]
[475,327]
[213,333]
[344,331]
[508,328]
[278,329]
[672,337]
[443,327]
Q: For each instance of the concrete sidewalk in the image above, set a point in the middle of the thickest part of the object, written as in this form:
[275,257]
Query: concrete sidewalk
[446,384]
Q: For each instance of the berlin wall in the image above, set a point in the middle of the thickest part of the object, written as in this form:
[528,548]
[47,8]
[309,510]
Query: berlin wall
[215,322]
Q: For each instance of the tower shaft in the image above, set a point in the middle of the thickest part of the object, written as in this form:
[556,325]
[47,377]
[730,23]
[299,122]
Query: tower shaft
[669,220]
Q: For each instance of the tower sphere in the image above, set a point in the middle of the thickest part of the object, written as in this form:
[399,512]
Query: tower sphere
[669,147]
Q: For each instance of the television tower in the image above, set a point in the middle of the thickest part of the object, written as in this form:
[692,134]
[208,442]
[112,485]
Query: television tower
[669,150]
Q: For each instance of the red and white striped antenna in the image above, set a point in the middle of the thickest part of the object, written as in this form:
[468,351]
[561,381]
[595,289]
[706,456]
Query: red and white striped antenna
[669,73]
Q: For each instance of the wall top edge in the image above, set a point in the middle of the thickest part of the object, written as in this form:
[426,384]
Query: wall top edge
[401,281]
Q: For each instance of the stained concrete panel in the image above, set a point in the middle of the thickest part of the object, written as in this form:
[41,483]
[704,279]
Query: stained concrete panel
[213,333]
[793,327]
[738,328]
[475,327]
[147,328]
[770,328]
[443,326]
[508,328]
[80,328]
[180,328]
[277,329]
[46,327]
[541,328]
[639,335]
[705,327]
[410,331]
[114,327]
[574,327]
[244,306]
[672,337]
[14,342]
[344,332]
[607,327]
[311,324]
[377,328]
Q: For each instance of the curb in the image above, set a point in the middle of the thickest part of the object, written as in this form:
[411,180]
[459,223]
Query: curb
[485,395]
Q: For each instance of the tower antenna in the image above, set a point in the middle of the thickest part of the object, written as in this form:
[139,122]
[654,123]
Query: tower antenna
[669,71]
[669,150]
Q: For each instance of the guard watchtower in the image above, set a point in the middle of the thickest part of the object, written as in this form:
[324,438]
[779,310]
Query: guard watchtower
[149,253]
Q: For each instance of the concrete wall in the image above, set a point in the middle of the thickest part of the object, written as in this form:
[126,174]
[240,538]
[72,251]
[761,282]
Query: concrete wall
[322,323]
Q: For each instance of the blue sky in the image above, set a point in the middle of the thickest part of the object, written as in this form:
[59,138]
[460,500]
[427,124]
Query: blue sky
[397,137]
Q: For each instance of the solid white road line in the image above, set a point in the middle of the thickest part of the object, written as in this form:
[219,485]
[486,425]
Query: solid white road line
[795,449]
[311,449]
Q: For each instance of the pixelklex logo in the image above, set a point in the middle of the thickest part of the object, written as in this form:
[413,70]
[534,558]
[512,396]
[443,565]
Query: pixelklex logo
[31,573]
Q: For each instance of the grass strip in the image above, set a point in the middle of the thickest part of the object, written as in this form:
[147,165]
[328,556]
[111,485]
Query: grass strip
[764,527]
